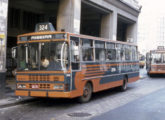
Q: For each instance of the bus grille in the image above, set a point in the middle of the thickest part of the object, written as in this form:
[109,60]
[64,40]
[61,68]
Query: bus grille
[39,78]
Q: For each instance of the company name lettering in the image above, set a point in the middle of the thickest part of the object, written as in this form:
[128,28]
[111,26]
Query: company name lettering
[41,37]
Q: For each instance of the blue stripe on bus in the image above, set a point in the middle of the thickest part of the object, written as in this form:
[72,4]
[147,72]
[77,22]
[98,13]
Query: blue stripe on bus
[73,80]
[111,79]
[133,75]
[114,78]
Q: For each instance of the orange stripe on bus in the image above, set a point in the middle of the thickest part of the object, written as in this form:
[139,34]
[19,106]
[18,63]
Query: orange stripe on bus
[96,71]
[42,33]
[94,74]
[108,85]
[42,72]
[98,68]
[130,80]
[38,78]
[107,65]
[59,94]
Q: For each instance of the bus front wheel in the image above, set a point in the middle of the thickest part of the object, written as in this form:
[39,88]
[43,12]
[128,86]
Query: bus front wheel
[87,93]
[124,86]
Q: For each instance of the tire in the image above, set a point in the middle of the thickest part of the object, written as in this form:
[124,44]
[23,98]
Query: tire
[124,86]
[87,93]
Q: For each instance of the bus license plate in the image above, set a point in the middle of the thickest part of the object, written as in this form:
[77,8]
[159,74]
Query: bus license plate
[35,86]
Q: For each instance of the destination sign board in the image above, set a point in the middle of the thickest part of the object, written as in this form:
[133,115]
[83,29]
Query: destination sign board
[43,27]
[44,37]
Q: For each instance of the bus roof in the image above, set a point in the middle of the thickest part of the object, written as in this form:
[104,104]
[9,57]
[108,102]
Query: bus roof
[76,35]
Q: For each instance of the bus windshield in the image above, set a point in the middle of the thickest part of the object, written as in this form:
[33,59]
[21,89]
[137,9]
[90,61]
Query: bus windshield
[43,56]
[158,58]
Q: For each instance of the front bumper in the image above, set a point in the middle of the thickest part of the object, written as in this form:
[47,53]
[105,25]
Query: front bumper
[51,94]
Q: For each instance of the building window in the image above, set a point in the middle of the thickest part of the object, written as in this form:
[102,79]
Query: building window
[31,19]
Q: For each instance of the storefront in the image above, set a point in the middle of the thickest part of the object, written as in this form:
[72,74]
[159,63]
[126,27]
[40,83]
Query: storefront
[3,36]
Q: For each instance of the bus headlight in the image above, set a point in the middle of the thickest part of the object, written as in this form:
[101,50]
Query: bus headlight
[58,87]
[21,86]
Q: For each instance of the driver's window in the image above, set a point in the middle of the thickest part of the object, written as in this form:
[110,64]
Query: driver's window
[75,53]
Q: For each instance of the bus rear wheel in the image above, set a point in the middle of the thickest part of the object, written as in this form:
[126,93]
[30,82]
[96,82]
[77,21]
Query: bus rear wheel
[124,86]
[87,93]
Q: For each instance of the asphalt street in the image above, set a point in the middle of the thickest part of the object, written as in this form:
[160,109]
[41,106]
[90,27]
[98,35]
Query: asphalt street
[143,100]
[150,107]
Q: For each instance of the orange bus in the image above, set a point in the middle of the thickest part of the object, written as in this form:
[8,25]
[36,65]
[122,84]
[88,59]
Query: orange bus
[155,61]
[66,65]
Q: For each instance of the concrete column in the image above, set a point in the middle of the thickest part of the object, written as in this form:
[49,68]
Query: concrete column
[105,26]
[132,33]
[109,26]
[3,44]
[68,17]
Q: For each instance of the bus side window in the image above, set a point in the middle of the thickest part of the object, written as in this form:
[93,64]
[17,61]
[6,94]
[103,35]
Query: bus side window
[75,53]
[87,50]
[110,52]
[118,52]
[122,53]
[134,53]
[128,53]
[100,50]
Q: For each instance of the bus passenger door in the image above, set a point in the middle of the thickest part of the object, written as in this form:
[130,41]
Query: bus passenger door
[75,53]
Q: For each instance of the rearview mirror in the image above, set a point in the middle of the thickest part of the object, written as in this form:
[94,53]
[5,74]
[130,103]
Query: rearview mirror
[14,52]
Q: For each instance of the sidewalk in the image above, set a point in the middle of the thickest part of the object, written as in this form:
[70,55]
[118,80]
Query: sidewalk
[10,99]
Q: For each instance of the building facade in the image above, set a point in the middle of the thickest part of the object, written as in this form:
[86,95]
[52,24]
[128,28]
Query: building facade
[111,19]
[160,34]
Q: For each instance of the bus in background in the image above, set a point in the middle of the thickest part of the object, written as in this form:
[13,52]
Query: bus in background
[155,61]
[141,61]
[66,65]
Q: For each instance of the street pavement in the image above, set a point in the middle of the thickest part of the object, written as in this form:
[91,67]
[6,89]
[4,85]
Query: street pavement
[10,99]
[142,101]
[150,107]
